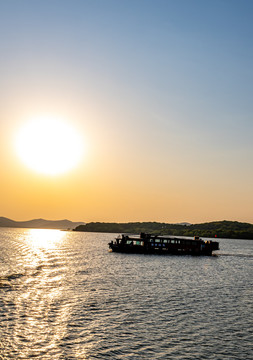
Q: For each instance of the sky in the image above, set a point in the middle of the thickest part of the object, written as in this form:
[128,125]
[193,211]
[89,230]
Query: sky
[160,92]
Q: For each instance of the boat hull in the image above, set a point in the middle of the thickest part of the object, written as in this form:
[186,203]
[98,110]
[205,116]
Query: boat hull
[129,250]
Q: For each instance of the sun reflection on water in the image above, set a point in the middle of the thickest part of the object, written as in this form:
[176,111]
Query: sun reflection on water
[44,238]
[43,307]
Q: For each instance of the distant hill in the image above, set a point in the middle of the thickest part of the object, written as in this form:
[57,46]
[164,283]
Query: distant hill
[219,229]
[40,224]
[183,223]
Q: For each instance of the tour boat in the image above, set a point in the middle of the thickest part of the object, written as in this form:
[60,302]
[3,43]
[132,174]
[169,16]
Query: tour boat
[152,244]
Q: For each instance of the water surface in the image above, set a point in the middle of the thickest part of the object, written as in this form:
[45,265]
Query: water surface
[64,296]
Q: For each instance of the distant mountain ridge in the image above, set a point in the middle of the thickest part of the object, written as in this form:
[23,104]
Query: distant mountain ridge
[40,224]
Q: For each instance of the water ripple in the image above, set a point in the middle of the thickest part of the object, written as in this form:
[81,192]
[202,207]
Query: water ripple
[67,297]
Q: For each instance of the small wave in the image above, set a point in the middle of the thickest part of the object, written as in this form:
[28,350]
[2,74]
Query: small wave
[5,281]
[12,276]
[236,255]
[4,284]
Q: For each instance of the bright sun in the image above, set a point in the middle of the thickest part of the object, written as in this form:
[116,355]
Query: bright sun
[49,146]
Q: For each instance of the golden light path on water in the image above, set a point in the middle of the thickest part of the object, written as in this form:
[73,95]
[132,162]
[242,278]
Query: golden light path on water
[42,311]
[45,239]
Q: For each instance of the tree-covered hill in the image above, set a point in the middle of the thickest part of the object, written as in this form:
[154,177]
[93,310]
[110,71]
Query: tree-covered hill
[219,229]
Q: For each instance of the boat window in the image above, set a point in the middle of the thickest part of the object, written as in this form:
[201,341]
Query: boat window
[157,240]
[165,241]
[172,241]
[129,242]
[139,242]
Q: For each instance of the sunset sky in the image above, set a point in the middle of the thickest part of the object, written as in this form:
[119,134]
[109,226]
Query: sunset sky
[159,93]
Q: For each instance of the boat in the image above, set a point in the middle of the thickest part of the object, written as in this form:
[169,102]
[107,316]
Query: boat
[153,244]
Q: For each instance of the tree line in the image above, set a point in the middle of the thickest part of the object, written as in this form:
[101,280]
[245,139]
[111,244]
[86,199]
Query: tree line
[219,229]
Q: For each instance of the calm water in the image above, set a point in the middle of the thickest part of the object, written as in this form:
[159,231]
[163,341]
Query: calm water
[64,296]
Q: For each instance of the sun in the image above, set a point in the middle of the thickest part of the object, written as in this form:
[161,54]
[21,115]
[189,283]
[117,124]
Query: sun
[49,146]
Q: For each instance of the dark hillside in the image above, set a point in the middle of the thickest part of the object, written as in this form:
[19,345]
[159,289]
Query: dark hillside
[219,229]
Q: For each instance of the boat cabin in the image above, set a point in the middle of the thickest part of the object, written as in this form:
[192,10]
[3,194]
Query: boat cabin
[151,244]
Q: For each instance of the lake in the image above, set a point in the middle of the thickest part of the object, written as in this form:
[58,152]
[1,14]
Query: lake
[65,296]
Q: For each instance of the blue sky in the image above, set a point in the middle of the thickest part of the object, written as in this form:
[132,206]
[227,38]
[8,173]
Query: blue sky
[167,83]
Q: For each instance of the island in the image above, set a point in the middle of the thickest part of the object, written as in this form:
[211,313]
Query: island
[215,229]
